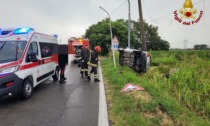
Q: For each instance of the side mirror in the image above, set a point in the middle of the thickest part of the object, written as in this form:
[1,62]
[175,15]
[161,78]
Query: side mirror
[32,57]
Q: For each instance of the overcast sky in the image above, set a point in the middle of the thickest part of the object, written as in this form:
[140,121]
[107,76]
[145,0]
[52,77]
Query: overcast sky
[71,18]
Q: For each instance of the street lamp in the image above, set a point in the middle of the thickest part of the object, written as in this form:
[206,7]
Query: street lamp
[129,24]
[111,35]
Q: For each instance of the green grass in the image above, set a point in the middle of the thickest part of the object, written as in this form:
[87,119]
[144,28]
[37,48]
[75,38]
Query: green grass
[181,99]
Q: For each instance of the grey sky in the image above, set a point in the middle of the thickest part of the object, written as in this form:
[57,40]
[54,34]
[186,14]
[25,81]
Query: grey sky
[69,18]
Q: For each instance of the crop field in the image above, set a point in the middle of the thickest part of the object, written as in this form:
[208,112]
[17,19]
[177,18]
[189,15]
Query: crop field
[177,90]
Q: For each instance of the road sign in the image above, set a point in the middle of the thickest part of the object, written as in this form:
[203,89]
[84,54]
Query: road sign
[115,42]
[115,46]
[131,87]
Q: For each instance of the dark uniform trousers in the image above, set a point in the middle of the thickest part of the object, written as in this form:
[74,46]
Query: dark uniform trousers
[84,56]
[93,70]
[84,68]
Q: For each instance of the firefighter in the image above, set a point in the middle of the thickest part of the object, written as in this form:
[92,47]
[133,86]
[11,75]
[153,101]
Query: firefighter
[94,63]
[85,53]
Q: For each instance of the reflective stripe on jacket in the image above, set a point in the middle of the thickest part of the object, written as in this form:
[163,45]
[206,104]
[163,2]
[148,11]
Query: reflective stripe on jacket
[93,59]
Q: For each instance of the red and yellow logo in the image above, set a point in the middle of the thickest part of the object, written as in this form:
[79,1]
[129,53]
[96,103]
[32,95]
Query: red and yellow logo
[188,14]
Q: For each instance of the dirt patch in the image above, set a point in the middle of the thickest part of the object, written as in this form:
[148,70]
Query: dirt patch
[173,70]
[143,95]
[166,120]
[146,98]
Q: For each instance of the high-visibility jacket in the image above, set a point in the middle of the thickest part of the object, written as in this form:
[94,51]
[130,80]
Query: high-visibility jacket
[93,59]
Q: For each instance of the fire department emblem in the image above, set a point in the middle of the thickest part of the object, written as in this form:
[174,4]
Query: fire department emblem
[189,15]
[188,11]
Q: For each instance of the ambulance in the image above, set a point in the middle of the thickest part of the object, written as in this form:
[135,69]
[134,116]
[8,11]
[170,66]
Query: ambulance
[27,58]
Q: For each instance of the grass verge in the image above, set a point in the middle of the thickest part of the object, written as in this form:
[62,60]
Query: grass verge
[164,101]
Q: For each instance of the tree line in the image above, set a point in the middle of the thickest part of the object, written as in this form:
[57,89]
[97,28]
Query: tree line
[99,34]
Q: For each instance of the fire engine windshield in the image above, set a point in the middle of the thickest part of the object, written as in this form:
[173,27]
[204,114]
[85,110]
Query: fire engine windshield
[78,50]
[11,50]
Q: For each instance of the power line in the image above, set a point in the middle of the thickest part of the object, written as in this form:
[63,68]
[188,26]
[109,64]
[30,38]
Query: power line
[118,7]
[163,17]
[199,1]
[148,11]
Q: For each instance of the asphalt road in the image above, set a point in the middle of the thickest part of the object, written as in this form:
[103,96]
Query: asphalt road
[75,103]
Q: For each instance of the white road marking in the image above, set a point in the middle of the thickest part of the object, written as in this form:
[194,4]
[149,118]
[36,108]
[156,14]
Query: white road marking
[102,116]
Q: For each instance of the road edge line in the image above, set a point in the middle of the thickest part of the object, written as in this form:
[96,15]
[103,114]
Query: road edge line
[103,116]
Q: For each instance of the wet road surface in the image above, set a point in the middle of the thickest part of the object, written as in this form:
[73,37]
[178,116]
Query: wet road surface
[75,103]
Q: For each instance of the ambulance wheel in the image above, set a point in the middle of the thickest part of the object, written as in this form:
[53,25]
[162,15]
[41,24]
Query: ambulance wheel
[56,75]
[27,89]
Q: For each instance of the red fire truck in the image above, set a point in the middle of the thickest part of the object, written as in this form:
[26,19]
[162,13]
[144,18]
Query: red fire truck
[75,46]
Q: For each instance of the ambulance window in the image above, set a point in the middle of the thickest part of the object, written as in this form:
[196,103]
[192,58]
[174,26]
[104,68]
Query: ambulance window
[11,50]
[46,49]
[32,48]
[20,47]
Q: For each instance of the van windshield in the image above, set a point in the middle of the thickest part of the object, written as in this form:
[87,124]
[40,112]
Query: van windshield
[11,50]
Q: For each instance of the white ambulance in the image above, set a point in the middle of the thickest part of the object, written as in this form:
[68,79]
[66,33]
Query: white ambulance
[27,58]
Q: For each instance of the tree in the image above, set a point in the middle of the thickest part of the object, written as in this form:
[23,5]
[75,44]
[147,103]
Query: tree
[153,40]
[158,45]
[99,34]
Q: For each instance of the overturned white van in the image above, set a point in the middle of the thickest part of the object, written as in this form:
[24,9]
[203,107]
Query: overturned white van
[138,60]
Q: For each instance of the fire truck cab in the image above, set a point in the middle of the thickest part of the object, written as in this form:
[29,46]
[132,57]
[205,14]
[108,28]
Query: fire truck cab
[75,47]
[27,58]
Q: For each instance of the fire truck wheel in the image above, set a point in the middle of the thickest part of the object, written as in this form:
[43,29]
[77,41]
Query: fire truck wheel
[56,75]
[27,89]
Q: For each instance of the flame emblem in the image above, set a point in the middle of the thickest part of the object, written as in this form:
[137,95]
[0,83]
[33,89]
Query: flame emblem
[188,4]
[188,10]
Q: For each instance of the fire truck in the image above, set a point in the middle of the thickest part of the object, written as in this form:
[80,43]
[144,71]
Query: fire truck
[75,47]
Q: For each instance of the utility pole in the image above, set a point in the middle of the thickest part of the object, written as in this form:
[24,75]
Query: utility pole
[142,26]
[110,24]
[129,25]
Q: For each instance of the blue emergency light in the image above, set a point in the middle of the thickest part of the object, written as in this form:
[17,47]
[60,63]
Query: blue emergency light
[56,36]
[22,30]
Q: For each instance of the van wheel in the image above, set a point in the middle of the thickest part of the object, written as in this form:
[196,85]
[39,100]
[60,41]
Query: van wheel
[56,75]
[27,89]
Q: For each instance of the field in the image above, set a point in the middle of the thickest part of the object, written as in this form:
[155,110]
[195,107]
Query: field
[177,90]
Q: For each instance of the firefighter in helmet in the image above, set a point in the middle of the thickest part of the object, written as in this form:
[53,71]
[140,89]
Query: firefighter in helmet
[85,53]
[94,63]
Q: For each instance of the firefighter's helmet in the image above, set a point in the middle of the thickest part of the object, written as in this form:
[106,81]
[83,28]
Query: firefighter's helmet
[98,49]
